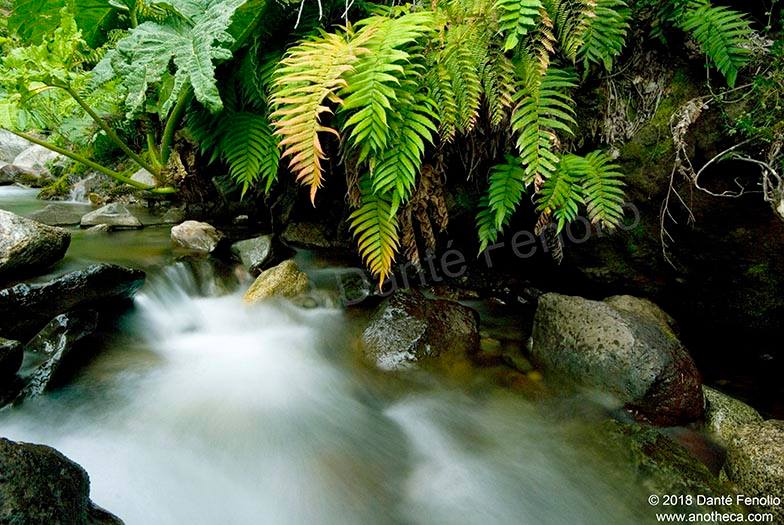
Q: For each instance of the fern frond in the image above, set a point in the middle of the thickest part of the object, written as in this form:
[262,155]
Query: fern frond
[543,40]
[375,229]
[507,185]
[485,224]
[605,36]
[498,81]
[309,76]
[722,34]
[516,18]
[464,56]
[560,195]
[572,20]
[602,189]
[250,149]
[440,83]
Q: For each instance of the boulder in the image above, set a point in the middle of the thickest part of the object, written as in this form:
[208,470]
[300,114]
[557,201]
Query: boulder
[755,463]
[51,351]
[725,414]
[58,214]
[255,254]
[630,354]
[11,174]
[196,236]
[26,308]
[285,280]
[37,157]
[114,215]
[10,358]
[173,216]
[27,245]
[408,328]
[40,485]
[11,145]
[144,177]
[309,235]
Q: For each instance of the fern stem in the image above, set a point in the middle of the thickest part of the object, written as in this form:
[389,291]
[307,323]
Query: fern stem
[172,122]
[108,130]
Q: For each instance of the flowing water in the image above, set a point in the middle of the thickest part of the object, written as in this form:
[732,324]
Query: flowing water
[199,409]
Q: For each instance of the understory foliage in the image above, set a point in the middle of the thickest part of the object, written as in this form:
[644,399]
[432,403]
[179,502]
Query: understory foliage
[385,92]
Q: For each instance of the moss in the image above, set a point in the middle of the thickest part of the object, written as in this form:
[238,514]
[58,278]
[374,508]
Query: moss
[61,187]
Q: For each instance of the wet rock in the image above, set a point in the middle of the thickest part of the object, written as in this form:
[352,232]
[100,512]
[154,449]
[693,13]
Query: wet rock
[37,157]
[12,174]
[642,307]
[353,286]
[27,245]
[285,280]
[11,145]
[10,358]
[196,236]
[408,328]
[308,235]
[98,229]
[755,462]
[632,355]
[144,177]
[26,308]
[316,299]
[725,414]
[57,214]
[39,485]
[255,254]
[173,216]
[51,351]
[114,215]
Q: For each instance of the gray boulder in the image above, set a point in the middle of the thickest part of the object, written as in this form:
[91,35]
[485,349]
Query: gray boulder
[10,358]
[37,157]
[11,174]
[630,354]
[255,254]
[196,236]
[27,245]
[173,216]
[283,280]
[39,485]
[58,214]
[114,215]
[755,463]
[11,145]
[409,328]
[27,308]
[144,177]
[725,414]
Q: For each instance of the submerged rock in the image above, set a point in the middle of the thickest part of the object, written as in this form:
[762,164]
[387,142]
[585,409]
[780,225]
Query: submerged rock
[755,462]
[408,328]
[196,236]
[114,215]
[52,349]
[27,245]
[725,414]
[255,254]
[627,352]
[26,308]
[10,358]
[39,485]
[285,280]
[57,214]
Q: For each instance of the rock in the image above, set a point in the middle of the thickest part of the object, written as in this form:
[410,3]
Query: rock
[37,157]
[114,215]
[57,214]
[354,286]
[196,236]
[408,328]
[642,307]
[285,280]
[310,236]
[12,174]
[10,358]
[52,350]
[27,245]
[144,177]
[755,462]
[724,414]
[255,254]
[98,229]
[11,145]
[26,308]
[633,356]
[39,485]
[173,216]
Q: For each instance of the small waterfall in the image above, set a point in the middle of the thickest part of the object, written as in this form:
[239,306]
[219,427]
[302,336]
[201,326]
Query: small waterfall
[79,190]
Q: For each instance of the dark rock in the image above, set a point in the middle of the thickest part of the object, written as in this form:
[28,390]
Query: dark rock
[51,351]
[196,236]
[633,356]
[755,462]
[10,358]
[311,236]
[57,214]
[173,216]
[39,485]
[354,286]
[114,215]
[255,254]
[26,308]
[408,328]
[12,174]
[27,245]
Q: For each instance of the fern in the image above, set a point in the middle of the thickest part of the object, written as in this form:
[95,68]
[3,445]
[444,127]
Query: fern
[507,184]
[561,195]
[602,189]
[375,229]
[516,18]
[605,36]
[486,227]
[498,82]
[722,34]
[250,149]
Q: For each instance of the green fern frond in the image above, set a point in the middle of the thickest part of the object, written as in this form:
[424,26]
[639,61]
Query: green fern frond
[605,36]
[498,81]
[464,56]
[560,195]
[516,18]
[572,20]
[375,229]
[507,185]
[485,224]
[602,189]
[250,149]
[439,81]
[722,34]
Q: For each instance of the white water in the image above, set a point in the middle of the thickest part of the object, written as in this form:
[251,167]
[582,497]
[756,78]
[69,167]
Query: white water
[79,192]
[207,411]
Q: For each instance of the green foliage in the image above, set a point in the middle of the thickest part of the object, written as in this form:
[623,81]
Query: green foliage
[34,20]
[250,149]
[516,18]
[605,36]
[375,228]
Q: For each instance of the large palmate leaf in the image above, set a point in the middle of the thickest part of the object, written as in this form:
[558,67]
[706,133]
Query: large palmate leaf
[33,19]
[193,43]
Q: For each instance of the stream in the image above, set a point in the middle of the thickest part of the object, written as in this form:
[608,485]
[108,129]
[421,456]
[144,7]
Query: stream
[200,409]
